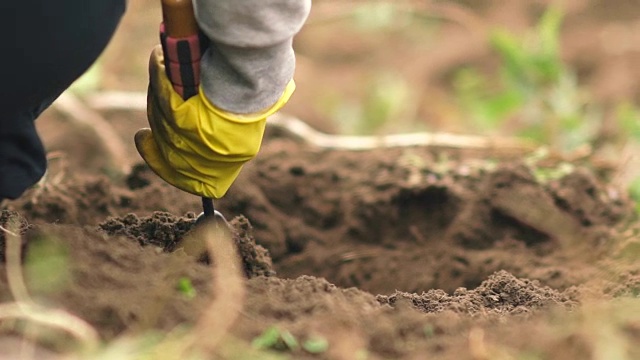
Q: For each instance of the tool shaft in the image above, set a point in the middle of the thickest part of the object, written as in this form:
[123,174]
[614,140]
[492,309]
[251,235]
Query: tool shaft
[183,48]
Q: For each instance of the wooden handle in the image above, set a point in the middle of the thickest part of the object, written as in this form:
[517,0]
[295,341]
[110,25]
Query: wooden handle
[179,18]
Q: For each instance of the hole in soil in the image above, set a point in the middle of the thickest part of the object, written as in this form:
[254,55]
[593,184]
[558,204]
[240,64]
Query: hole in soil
[518,230]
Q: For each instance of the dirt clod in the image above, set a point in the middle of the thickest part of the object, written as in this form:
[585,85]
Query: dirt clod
[166,231]
[160,229]
[501,293]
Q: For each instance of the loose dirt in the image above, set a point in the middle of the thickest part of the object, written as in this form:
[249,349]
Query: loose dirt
[393,252]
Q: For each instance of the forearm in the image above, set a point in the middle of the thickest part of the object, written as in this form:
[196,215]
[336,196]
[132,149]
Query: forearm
[250,60]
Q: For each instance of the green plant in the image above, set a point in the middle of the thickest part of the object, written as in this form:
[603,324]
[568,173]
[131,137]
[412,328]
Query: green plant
[186,287]
[534,93]
[276,338]
[315,345]
[386,98]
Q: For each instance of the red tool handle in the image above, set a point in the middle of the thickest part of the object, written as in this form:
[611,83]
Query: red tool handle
[183,46]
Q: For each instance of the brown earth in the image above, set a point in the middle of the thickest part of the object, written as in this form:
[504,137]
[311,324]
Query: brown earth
[401,253]
[392,252]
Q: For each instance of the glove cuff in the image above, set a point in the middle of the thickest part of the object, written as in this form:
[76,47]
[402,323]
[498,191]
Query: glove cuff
[251,117]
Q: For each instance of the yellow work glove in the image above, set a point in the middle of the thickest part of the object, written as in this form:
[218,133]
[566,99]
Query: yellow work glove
[192,144]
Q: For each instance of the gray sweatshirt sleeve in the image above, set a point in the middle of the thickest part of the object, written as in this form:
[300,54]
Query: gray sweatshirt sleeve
[250,60]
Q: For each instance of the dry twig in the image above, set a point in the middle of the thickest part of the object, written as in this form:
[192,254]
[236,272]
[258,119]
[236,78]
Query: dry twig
[227,287]
[299,129]
[107,138]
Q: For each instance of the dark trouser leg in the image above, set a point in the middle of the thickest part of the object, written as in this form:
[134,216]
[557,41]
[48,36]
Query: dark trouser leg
[46,46]
[22,157]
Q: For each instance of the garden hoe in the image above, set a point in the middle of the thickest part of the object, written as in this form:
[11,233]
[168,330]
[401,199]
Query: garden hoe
[183,46]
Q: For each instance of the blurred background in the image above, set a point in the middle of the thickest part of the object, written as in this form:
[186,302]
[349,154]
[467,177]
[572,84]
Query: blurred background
[561,73]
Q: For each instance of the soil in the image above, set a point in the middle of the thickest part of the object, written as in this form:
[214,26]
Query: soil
[397,253]
[404,252]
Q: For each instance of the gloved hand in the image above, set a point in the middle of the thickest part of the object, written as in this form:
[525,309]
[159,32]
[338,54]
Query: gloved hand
[192,144]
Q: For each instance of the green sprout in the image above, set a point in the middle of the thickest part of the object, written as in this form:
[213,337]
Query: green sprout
[315,345]
[534,92]
[289,340]
[387,96]
[278,339]
[268,339]
[185,287]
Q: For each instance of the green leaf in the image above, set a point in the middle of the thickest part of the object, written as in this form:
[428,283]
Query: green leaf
[275,338]
[186,288]
[387,96]
[549,31]
[316,345]
[268,339]
[502,105]
[289,340]
[511,51]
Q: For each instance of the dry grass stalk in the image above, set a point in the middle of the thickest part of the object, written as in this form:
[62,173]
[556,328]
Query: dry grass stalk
[228,287]
[86,118]
[298,128]
[428,139]
[13,244]
[229,291]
